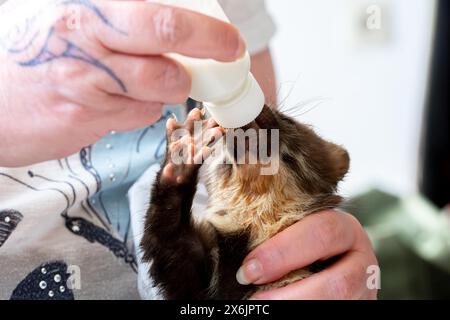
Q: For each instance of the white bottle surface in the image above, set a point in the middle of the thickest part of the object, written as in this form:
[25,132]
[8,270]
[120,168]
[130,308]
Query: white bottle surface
[228,89]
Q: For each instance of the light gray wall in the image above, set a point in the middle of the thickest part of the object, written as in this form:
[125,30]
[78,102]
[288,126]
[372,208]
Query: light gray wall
[375,83]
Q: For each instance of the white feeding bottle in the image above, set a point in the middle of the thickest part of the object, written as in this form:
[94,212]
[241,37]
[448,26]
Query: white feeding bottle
[228,90]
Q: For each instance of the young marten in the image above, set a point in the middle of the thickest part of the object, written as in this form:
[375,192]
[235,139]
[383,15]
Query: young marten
[198,259]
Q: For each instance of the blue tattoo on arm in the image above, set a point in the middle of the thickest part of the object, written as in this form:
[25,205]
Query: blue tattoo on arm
[27,30]
[26,46]
[71,50]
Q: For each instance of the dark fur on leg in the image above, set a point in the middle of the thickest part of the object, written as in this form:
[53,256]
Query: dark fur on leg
[232,251]
[181,262]
[181,265]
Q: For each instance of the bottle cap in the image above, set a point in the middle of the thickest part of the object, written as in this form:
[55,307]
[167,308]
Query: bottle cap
[241,109]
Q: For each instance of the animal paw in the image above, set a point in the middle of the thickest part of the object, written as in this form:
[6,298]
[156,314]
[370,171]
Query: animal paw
[188,145]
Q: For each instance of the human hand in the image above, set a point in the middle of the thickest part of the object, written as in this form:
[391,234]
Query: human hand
[317,237]
[82,68]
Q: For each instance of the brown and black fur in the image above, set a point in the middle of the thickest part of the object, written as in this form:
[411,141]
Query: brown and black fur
[194,259]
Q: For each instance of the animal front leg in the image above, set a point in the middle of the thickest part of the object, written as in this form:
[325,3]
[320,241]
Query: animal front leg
[181,266]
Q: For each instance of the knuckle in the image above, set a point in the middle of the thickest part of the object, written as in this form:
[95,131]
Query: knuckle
[350,283]
[353,220]
[170,77]
[170,26]
[229,39]
[60,26]
[143,73]
[342,287]
[68,69]
[71,113]
[70,18]
[327,232]
[359,233]
[271,258]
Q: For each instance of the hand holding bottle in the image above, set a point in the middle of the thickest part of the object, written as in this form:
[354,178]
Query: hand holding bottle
[64,87]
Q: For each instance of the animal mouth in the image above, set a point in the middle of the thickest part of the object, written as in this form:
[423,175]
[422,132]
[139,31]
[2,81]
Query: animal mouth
[243,144]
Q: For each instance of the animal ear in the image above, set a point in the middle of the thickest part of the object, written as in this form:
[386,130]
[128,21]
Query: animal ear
[340,162]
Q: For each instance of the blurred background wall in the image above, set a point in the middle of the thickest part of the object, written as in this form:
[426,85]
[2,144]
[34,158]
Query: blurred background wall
[371,78]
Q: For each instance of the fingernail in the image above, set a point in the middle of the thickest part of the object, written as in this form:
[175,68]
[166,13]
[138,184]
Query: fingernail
[250,272]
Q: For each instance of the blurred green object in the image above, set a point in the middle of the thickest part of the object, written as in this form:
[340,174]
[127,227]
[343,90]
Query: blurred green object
[411,239]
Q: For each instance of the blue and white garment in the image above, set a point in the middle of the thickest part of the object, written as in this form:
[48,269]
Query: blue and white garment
[73,214]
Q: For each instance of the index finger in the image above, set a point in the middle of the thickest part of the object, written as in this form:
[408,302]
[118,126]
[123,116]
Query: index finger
[151,29]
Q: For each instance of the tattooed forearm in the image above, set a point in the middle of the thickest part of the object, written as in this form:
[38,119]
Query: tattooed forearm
[29,33]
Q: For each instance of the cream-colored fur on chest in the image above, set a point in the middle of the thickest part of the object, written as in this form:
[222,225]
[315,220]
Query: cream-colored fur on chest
[246,201]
